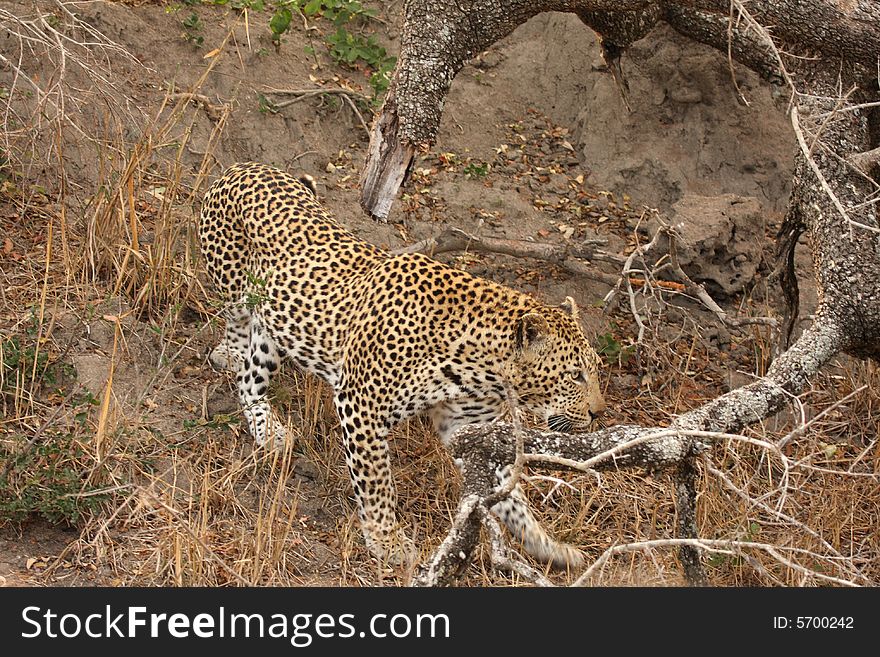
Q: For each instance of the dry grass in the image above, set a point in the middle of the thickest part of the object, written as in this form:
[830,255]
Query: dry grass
[165,488]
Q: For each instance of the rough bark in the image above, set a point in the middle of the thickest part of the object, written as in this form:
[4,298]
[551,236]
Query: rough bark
[686,523]
[845,249]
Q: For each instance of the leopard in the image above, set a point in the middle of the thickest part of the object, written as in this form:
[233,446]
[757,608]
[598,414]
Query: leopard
[393,334]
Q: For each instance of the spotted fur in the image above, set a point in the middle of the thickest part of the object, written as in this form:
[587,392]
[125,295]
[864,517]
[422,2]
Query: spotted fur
[393,335]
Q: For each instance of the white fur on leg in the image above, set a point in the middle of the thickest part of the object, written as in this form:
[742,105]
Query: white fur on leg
[224,357]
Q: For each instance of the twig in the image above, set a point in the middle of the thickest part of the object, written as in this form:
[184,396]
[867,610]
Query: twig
[627,269]
[801,428]
[347,94]
[569,257]
[699,291]
[302,94]
[358,114]
[784,517]
[717,546]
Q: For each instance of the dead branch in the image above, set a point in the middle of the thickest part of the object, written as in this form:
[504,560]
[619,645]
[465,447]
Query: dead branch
[350,98]
[660,254]
[807,152]
[348,95]
[481,451]
[389,159]
[852,572]
[303,94]
[570,257]
[699,291]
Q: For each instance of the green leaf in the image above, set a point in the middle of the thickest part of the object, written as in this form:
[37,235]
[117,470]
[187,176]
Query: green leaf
[280,23]
[312,8]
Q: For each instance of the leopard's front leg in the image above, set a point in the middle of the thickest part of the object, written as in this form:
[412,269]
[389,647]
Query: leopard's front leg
[514,510]
[366,454]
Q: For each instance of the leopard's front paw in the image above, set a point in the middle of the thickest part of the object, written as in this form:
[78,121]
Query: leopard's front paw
[394,548]
[224,357]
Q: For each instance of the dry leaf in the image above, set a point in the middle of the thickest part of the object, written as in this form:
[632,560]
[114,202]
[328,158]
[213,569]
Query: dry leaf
[213,53]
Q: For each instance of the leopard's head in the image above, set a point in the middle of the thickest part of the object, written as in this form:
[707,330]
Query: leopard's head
[553,368]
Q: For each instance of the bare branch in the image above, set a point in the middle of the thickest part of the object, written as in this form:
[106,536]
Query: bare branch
[720,547]
[569,257]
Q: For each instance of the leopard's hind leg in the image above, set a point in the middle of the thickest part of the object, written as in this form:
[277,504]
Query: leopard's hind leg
[230,352]
[255,372]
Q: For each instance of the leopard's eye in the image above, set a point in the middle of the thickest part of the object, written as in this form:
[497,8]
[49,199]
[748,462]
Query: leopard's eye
[578,376]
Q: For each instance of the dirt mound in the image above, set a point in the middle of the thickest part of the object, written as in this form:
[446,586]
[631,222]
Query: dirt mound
[685,130]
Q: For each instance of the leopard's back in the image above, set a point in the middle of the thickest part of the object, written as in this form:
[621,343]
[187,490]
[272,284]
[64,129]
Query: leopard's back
[269,245]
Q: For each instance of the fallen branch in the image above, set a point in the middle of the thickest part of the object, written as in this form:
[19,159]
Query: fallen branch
[483,451]
[347,95]
[569,257]
[303,94]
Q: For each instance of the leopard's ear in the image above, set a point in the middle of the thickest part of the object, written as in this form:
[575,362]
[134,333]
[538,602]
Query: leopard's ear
[569,307]
[530,331]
